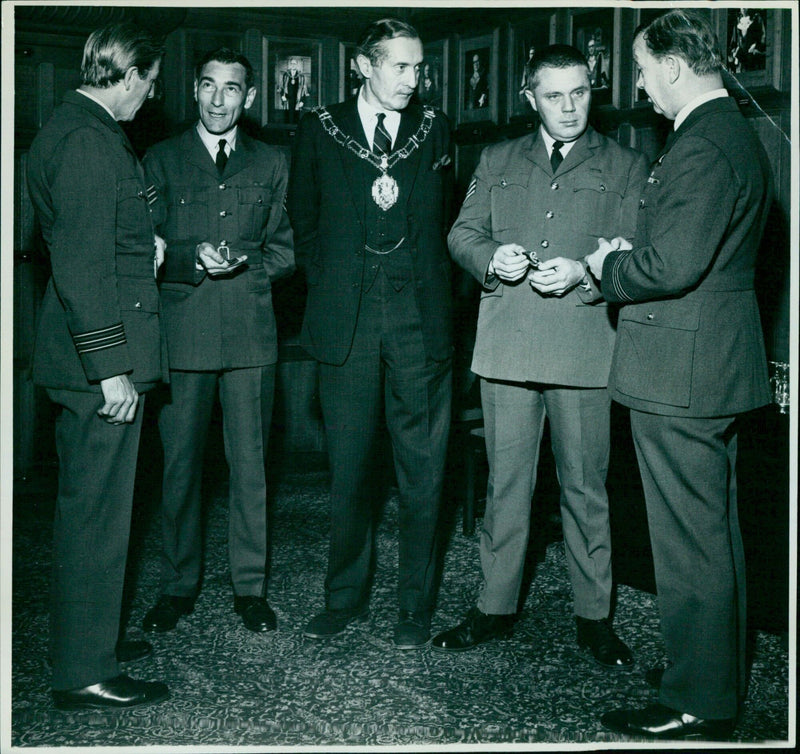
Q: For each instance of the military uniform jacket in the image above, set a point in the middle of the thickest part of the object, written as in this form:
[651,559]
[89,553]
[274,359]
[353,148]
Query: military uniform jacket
[689,341]
[100,313]
[327,204]
[224,322]
[515,198]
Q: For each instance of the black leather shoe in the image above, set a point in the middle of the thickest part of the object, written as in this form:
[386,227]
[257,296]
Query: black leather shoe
[607,649]
[413,629]
[164,615]
[332,622]
[131,650]
[256,614]
[477,628]
[119,692]
[658,721]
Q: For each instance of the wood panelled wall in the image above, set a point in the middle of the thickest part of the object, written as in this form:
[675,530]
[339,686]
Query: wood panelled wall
[49,41]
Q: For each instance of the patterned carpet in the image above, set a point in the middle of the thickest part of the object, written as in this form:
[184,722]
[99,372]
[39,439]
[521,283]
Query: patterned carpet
[233,688]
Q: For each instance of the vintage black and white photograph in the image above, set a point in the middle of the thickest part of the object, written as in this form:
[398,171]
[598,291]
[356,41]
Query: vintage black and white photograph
[294,88]
[593,35]
[443,403]
[478,77]
[433,79]
[524,40]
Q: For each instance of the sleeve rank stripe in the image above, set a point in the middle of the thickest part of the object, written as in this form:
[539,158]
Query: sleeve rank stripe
[615,281]
[95,340]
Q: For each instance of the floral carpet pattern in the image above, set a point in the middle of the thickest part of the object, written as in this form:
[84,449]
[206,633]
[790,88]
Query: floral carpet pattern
[230,687]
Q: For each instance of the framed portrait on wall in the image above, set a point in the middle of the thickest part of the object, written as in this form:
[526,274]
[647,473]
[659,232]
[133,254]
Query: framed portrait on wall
[292,75]
[432,87]
[747,35]
[524,40]
[593,35]
[349,75]
[477,78]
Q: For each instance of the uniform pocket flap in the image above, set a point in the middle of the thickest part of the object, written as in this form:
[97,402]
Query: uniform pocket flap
[254,195]
[678,315]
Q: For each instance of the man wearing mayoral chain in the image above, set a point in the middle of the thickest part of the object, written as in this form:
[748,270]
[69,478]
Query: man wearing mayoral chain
[368,210]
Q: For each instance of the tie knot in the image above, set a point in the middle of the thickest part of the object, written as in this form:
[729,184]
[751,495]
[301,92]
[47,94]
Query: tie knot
[381,117]
[557,145]
[223,142]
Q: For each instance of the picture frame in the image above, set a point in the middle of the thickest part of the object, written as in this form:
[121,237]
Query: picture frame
[292,72]
[478,78]
[349,75]
[432,88]
[593,33]
[524,39]
[747,35]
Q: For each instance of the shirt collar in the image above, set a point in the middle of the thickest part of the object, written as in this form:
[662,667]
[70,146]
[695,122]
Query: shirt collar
[94,99]
[549,140]
[211,141]
[367,113]
[683,113]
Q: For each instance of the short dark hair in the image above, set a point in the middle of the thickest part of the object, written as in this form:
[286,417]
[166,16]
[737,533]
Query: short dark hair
[685,34]
[373,37]
[226,55]
[111,50]
[553,56]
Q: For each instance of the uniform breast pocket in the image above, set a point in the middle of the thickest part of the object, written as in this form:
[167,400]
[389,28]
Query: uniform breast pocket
[509,199]
[188,213]
[254,209]
[133,213]
[598,200]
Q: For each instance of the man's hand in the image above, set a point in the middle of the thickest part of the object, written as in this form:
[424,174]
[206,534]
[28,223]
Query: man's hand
[604,248]
[509,262]
[121,400]
[210,259]
[158,260]
[556,276]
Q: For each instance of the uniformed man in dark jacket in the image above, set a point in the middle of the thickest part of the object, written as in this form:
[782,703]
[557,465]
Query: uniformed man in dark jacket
[98,349]
[220,198]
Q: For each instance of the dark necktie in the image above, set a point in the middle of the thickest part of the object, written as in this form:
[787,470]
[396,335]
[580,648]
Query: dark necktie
[556,157]
[381,141]
[222,156]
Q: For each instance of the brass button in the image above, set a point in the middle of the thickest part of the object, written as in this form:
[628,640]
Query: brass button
[650,315]
[549,214]
[641,203]
[223,213]
[544,244]
[554,186]
[503,183]
[222,187]
[602,187]
[138,305]
[181,201]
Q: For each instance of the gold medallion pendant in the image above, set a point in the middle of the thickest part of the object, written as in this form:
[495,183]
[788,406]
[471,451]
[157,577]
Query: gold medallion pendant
[385,191]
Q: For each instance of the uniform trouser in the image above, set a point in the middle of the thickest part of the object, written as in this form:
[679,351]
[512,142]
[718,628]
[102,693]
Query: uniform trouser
[688,469]
[387,367]
[97,468]
[514,415]
[246,397]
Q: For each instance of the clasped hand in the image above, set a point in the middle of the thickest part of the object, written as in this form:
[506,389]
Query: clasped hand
[604,248]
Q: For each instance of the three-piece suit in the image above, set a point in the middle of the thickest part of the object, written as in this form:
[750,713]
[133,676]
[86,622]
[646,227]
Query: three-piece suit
[377,320]
[546,356]
[99,319]
[221,334]
[689,357]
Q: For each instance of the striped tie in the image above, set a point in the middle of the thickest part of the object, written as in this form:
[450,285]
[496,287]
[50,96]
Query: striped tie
[381,141]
